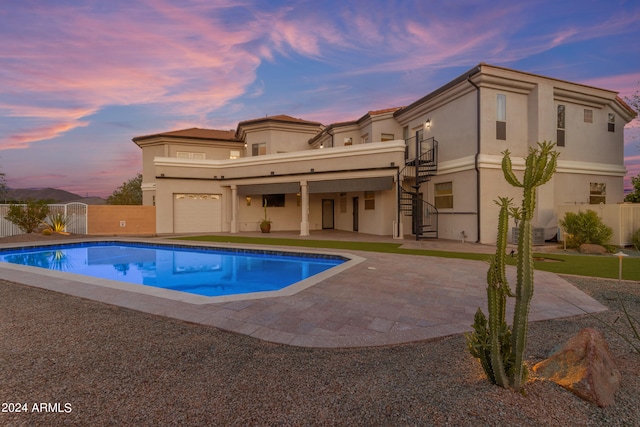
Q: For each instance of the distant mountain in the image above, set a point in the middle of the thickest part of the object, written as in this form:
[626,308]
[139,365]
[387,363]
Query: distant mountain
[57,196]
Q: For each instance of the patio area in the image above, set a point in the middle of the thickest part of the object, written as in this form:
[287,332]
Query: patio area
[385,299]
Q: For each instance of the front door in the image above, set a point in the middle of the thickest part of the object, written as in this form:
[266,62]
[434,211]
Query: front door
[355,214]
[327,214]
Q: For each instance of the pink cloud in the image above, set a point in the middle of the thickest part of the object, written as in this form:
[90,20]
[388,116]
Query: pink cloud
[23,139]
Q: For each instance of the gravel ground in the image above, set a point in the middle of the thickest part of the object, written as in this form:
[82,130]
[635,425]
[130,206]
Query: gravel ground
[114,366]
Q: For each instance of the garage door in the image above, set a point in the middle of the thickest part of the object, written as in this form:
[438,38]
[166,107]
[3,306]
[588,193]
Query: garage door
[197,213]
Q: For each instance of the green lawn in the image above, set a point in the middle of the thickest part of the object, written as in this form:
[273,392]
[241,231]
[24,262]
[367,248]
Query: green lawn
[582,265]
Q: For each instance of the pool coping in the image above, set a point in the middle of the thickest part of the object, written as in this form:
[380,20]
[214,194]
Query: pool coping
[386,299]
[351,261]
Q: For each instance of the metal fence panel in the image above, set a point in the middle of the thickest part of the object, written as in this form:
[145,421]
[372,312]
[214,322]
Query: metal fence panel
[76,214]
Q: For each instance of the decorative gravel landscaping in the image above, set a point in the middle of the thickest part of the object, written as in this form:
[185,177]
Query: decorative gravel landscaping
[115,366]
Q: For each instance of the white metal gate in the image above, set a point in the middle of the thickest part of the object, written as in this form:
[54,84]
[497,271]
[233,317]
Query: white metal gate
[75,213]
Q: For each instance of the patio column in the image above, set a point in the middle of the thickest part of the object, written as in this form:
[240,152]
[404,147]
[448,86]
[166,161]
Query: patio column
[304,202]
[234,208]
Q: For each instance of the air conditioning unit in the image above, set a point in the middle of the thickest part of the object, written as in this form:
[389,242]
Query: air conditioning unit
[537,236]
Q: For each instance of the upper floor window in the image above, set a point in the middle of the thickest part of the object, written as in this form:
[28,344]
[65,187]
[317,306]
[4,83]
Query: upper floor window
[501,116]
[234,154]
[259,149]
[387,137]
[188,155]
[560,117]
[611,126]
[588,115]
[365,138]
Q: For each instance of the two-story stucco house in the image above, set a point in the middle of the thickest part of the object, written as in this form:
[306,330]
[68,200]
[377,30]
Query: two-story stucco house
[430,169]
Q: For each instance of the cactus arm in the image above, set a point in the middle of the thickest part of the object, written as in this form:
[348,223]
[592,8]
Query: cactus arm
[497,291]
[524,293]
[507,169]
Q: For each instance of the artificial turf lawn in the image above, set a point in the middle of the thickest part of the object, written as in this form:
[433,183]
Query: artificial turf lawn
[582,265]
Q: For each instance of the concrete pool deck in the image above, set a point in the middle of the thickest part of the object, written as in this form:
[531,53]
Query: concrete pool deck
[382,300]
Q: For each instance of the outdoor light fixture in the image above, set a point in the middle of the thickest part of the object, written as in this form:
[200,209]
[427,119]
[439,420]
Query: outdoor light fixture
[620,255]
[427,124]
[321,145]
[248,200]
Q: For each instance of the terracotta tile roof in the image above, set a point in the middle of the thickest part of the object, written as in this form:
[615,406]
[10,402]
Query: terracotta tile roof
[225,135]
[279,118]
[386,110]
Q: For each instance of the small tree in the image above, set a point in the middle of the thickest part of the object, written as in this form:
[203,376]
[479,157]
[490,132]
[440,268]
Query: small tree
[634,197]
[129,193]
[634,101]
[4,190]
[28,217]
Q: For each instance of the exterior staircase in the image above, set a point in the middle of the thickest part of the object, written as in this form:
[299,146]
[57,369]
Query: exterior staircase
[420,165]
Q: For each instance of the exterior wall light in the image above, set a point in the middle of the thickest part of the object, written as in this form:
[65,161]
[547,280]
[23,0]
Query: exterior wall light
[321,145]
[427,124]
[248,200]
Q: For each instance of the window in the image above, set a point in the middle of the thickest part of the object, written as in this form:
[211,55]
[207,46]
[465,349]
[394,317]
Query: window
[348,141]
[343,202]
[443,198]
[588,116]
[560,118]
[597,193]
[611,126]
[387,137]
[234,154]
[501,117]
[369,200]
[365,138]
[188,155]
[259,149]
[405,133]
[273,200]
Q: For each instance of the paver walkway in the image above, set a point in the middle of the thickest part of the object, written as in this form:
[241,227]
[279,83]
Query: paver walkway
[386,299]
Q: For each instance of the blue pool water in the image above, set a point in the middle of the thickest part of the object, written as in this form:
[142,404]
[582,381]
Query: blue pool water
[195,270]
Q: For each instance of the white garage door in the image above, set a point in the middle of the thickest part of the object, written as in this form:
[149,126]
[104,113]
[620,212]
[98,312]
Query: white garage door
[197,213]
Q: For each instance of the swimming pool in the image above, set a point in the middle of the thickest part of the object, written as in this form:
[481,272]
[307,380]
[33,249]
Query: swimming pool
[203,271]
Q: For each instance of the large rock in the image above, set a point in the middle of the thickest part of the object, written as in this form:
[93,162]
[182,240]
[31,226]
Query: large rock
[585,367]
[591,249]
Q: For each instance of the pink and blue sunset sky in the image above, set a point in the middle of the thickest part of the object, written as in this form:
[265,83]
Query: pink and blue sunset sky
[80,78]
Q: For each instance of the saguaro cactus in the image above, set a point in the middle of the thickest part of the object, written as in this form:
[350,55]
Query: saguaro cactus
[500,348]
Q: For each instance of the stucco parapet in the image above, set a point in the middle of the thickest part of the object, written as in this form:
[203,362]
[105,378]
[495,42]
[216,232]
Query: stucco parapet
[270,159]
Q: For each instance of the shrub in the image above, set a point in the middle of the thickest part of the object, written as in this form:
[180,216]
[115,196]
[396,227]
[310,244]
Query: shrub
[28,217]
[635,240]
[47,232]
[585,227]
[57,222]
